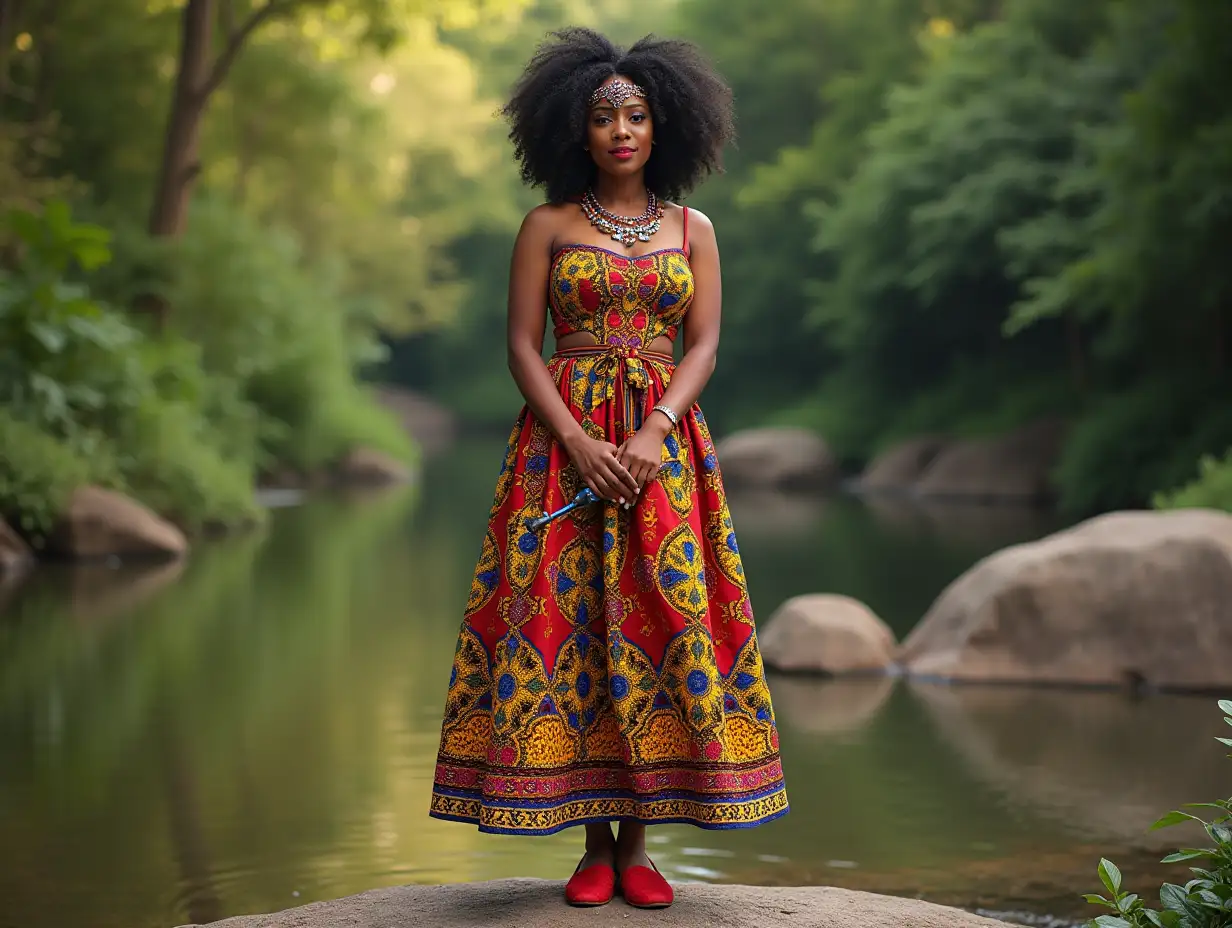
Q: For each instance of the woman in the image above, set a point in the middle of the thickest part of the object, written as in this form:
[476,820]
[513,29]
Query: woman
[607,669]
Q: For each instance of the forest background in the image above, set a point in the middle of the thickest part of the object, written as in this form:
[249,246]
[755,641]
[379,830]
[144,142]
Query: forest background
[221,220]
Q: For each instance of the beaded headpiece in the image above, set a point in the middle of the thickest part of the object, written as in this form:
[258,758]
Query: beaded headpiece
[616,93]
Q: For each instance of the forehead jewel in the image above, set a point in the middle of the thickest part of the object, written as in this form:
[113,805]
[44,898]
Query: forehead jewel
[616,93]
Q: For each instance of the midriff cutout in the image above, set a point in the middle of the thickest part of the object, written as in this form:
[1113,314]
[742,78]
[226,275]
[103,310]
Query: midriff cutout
[662,344]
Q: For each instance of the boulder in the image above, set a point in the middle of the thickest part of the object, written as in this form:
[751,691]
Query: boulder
[527,902]
[1016,466]
[826,633]
[369,467]
[1124,598]
[899,467]
[101,523]
[790,458]
[15,554]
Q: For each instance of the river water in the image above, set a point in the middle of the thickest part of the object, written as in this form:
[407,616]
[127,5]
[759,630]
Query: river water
[256,729]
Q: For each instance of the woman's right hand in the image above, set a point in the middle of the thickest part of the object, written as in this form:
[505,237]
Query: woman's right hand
[600,469]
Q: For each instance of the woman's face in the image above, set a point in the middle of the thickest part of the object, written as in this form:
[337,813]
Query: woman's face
[619,138]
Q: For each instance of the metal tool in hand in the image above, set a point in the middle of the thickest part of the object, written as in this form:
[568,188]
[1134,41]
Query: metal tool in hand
[584,498]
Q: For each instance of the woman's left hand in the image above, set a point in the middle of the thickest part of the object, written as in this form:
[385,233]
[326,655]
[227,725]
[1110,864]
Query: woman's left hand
[642,456]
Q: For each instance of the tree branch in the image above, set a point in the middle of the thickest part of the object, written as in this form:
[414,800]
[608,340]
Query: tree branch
[226,18]
[236,39]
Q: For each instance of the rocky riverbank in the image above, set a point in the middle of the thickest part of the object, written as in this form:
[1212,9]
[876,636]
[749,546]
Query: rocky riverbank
[539,904]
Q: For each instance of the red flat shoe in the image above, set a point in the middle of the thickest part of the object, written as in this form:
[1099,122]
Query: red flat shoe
[645,888]
[596,885]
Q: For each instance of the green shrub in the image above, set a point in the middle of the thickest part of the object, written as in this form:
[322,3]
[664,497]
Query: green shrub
[974,400]
[1203,902]
[256,370]
[95,388]
[38,473]
[1128,446]
[284,332]
[1212,489]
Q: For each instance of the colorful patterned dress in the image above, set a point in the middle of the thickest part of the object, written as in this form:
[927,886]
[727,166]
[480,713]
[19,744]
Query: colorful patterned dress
[607,667]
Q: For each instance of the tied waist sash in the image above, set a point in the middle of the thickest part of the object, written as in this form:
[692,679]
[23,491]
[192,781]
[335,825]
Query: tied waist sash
[625,363]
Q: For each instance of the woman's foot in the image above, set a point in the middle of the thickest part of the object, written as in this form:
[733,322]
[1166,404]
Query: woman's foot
[594,881]
[640,881]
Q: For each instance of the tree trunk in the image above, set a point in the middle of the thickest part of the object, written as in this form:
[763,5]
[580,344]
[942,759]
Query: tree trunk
[9,11]
[181,147]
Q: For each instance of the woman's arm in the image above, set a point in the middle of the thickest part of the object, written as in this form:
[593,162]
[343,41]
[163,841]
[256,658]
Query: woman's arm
[701,346]
[528,297]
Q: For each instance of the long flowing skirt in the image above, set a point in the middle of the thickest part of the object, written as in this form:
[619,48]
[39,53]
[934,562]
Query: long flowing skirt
[607,667]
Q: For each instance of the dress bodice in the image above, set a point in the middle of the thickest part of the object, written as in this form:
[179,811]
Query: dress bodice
[627,302]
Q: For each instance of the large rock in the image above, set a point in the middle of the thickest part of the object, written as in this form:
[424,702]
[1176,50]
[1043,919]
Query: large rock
[15,554]
[540,903]
[368,467]
[1015,467]
[99,523]
[899,467]
[777,457]
[826,633]
[1129,597]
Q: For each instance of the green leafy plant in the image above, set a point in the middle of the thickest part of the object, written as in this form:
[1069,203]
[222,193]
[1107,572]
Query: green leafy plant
[65,357]
[1212,489]
[1203,902]
[82,385]
[38,473]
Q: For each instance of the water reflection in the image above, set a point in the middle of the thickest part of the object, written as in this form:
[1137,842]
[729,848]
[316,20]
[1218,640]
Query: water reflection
[776,515]
[257,728]
[1103,765]
[829,706]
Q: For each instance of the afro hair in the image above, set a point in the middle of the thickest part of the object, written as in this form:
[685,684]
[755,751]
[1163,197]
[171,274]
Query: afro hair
[689,102]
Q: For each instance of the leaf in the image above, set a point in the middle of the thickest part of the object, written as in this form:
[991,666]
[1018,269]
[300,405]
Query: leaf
[1109,875]
[1227,741]
[1162,919]
[1174,818]
[1226,705]
[1187,854]
[1125,904]
[1112,921]
[91,255]
[1096,899]
[57,217]
[1221,833]
[1174,898]
[51,337]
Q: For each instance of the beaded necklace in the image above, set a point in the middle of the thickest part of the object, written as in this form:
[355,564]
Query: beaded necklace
[624,229]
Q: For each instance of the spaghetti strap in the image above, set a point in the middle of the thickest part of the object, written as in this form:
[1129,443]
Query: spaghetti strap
[685,244]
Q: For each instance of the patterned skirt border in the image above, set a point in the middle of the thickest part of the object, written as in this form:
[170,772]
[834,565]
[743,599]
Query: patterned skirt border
[504,821]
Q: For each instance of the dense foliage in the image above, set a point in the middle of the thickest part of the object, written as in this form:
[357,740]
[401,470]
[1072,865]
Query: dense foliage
[955,216]
[1020,216]
[941,216]
[301,243]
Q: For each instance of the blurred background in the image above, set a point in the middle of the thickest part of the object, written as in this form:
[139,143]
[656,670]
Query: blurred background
[253,260]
